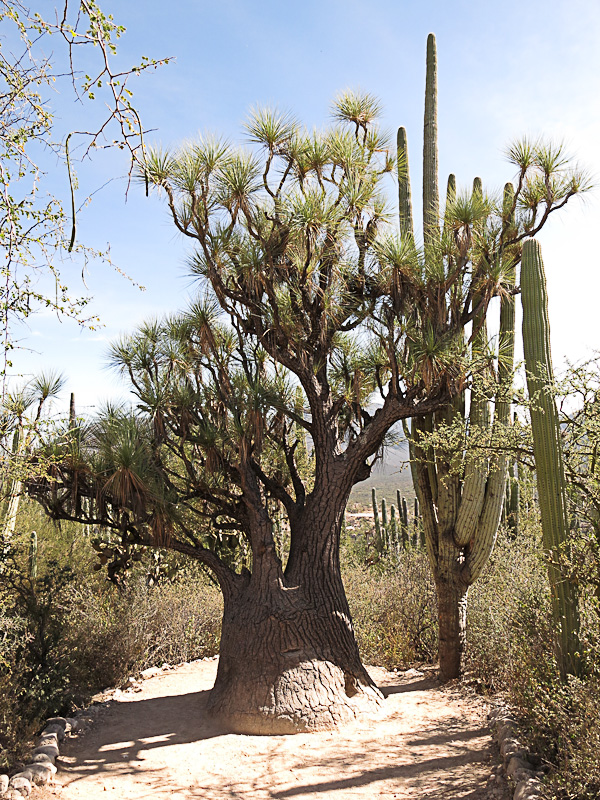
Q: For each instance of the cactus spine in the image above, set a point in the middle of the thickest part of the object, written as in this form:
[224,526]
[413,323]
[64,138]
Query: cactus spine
[548,452]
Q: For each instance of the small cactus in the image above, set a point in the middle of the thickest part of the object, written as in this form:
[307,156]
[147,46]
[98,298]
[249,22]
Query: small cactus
[33,551]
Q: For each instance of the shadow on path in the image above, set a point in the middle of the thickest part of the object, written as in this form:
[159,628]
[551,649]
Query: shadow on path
[157,747]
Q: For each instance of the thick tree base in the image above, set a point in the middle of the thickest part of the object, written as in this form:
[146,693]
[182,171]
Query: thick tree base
[311,695]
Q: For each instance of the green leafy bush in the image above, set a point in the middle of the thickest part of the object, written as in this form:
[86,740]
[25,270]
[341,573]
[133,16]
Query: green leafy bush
[394,609]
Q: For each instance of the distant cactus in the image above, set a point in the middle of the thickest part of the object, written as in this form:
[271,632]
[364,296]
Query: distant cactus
[393,530]
[405,535]
[33,551]
[378,543]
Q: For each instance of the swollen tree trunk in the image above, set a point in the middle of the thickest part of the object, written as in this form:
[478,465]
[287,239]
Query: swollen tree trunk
[288,659]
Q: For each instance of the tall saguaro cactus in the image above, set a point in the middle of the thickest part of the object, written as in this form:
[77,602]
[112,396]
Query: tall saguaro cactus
[460,509]
[459,479]
[431,193]
[548,455]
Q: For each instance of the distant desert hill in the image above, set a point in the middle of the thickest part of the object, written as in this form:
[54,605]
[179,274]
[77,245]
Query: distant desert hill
[391,473]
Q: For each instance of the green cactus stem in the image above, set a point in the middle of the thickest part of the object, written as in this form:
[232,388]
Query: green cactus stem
[404,197]
[393,532]
[405,533]
[547,451]
[378,538]
[384,526]
[33,551]
[431,196]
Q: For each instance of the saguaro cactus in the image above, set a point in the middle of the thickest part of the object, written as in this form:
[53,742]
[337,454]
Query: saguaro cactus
[393,531]
[548,452]
[460,516]
[33,551]
[378,538]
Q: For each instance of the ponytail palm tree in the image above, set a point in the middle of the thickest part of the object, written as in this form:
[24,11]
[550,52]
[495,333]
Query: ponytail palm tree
[316,330]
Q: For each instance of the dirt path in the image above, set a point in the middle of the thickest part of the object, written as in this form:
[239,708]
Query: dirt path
[431,744]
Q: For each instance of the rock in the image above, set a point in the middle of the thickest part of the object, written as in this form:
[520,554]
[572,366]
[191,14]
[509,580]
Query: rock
[523,775]
[57,730]
[73,725]
[507,729]
[151,672]
[51,750]
[3,784]
[83,722]
[41,774]
[512,747]
[13,794]
[21,783]
[61,721]
[413,673]
[515,763]
[528,790]
[40,758]
[48,738]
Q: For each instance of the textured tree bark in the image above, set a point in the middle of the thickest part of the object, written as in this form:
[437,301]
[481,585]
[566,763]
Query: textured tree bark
[289,660]
[452,621]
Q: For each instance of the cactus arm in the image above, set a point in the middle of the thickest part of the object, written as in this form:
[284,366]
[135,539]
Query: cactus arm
[411,452]
[484,538]
[14,499]
[547,451]
[375,513]
[404,194]
[450,198]
[431,195]
[428,514]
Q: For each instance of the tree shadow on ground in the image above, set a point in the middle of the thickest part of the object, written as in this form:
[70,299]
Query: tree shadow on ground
[168,747]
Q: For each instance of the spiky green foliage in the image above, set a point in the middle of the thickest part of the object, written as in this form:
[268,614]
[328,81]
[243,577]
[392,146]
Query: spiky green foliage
[547,448]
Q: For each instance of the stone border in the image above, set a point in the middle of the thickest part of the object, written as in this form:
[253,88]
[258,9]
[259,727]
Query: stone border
[517,761]
[41,767]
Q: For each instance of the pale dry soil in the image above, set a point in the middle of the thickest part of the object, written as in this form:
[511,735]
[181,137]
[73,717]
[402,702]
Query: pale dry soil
[430,743]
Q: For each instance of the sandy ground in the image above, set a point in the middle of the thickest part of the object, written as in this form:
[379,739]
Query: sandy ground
[431,743]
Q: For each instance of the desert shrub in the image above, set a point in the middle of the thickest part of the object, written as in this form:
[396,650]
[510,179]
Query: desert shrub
[394,609]
[15,729]
[514,584]
[561,719]
[510,649]
[66,632]
[112,634]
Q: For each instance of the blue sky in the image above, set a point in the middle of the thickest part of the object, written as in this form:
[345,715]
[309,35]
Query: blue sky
[505,70]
